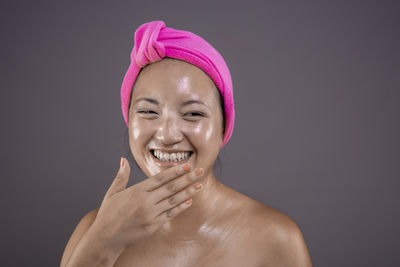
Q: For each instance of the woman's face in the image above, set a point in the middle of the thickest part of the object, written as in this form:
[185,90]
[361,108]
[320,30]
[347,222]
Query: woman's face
[175,112]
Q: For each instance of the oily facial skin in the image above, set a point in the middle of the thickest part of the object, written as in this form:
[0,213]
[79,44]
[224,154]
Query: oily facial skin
[165,122]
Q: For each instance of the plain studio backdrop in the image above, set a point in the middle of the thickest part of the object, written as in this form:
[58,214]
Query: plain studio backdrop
[316,136]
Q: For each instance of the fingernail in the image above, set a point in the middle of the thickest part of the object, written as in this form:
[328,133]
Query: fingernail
[186,167]
[198,187]
[199,171]
[121,163]
[188,202]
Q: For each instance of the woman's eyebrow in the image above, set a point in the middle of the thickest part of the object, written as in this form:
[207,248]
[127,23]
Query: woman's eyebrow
[148,99]
[193,102]
[155,102]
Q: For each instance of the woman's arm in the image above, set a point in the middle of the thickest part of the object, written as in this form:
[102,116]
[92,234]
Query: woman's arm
[85,249]
[127,215]
[76,236]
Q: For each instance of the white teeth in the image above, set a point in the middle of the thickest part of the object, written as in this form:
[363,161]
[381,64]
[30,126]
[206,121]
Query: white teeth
[170,157]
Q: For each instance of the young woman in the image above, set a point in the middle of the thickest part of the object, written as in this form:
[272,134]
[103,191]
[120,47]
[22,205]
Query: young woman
[177,102]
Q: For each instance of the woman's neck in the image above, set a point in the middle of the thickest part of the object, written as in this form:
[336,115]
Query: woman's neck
[198,219]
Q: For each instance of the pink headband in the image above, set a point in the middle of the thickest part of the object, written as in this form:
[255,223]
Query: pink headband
[154,41]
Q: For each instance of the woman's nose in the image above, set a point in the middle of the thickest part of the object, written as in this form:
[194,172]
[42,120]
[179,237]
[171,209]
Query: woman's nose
[169,133]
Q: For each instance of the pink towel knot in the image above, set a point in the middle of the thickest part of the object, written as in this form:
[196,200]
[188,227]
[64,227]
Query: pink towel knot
[147,47]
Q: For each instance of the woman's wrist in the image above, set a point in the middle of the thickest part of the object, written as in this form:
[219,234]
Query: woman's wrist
[96,235]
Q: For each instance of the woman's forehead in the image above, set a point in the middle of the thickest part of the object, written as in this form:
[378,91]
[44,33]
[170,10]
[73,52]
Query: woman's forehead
[177,80]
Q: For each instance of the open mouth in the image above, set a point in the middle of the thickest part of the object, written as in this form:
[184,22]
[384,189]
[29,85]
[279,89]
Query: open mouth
[171,157]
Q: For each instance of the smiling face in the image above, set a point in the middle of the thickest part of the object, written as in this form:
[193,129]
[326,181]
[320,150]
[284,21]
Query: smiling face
[174,113]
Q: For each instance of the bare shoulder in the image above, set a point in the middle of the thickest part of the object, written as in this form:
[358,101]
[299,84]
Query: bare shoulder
[275,236]
[280,239]
[82,227]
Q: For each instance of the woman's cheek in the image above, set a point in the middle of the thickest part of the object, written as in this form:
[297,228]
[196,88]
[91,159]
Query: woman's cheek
[203,131]
[140,128]
[209,133]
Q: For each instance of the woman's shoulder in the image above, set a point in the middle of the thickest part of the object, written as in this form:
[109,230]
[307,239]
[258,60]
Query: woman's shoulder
[82,227]
[274,235]
[260,213]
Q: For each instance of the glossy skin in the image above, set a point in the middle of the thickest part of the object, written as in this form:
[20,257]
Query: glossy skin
[172,126]
[169,125]
[222,227]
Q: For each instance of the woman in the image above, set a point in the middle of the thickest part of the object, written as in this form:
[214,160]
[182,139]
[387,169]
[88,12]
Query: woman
[177,102]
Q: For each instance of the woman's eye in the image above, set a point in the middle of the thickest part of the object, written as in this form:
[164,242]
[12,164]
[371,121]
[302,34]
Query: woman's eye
[146,112]
[149,114]
[194,114]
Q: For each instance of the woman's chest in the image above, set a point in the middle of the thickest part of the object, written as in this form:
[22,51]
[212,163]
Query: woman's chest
[190,254]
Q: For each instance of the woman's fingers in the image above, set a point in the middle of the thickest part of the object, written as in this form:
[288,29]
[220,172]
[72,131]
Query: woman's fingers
[139,210]
[169,214]
[121,179]
[165,176]
[172,187]
[167,205]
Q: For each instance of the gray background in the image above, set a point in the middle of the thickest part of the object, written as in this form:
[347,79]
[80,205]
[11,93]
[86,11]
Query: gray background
[316,133]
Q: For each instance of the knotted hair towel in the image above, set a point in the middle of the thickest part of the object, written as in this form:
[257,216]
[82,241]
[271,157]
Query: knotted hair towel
[154,41]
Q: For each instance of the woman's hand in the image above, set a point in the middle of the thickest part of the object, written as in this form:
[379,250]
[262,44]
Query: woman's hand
[128,215]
